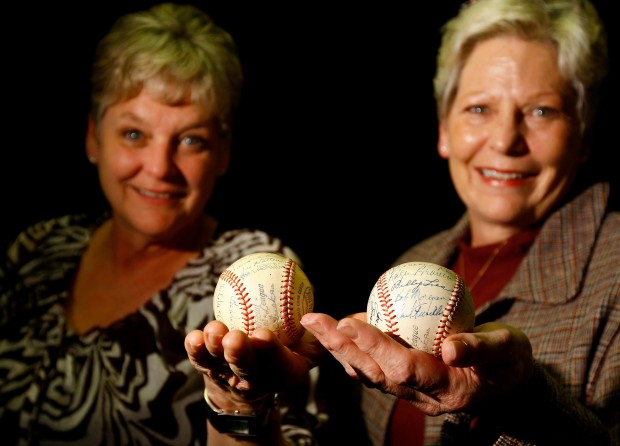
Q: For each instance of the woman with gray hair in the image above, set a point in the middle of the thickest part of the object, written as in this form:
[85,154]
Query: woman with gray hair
[517,89]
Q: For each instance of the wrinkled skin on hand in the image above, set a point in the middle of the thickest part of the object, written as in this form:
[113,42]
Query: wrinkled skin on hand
[474,367]
[243,372]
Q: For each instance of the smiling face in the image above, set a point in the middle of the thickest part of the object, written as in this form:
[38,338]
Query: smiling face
[510,137]
[157,164]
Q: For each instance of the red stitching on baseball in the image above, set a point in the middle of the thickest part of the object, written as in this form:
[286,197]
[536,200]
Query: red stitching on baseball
[445,323]
[247,314]
[387,306]
[287,303]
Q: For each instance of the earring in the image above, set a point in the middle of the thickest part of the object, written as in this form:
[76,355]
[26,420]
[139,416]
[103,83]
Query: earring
[92,159]
[443,150]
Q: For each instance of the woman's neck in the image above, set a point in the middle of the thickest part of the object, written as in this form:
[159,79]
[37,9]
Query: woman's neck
[124,247]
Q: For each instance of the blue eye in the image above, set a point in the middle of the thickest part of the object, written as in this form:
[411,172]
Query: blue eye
[190,140]
[478,109]
[544,113]
[133,135]
[194,143]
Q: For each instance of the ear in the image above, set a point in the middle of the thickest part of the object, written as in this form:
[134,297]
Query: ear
[442,142]
[92,144]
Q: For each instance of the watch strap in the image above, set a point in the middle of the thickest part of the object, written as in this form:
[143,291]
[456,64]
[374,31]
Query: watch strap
[236,422]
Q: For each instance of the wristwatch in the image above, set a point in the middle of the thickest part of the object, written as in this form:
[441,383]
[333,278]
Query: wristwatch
[236,422]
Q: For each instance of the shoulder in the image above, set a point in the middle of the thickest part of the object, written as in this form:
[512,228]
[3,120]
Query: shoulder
[50,232]
[43,228]
[594,224]
[606,252]
[50,239]
[44,250]
[610,226]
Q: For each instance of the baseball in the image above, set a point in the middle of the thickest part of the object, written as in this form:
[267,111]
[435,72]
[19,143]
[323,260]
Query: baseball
[264,290]
[421,303]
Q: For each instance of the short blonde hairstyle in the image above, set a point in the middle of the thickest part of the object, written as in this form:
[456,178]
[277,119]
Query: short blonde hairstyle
[176,52]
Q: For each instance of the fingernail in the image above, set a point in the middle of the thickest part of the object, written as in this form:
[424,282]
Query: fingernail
[214,338]
[311,324]
[195,346]
[347,330]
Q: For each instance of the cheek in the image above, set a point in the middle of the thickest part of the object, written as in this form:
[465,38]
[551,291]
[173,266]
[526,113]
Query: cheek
[201,174]
[463,140]
[121,166]
[470,139]
[563,167]
[464,147]
[560,151]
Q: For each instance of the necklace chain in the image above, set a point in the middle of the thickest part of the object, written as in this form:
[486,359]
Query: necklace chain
[484,267]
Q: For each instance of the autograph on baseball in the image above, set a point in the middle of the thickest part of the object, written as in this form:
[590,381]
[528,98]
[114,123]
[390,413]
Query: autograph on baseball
[265,290]
[421,303]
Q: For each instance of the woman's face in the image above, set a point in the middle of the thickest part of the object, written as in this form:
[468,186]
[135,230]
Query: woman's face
[511,138]
[157,164]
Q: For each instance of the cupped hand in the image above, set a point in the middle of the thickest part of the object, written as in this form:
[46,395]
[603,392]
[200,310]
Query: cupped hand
[241,370]
[474,367]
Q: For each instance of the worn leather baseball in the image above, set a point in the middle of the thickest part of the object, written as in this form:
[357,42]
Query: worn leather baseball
[421,303]
[264,290]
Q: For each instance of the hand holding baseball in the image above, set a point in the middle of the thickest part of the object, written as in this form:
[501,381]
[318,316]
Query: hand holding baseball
[491,360]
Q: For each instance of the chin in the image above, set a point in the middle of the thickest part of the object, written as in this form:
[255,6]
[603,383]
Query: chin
[505,212]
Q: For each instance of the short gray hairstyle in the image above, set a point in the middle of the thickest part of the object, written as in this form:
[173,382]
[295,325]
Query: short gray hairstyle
[572,26]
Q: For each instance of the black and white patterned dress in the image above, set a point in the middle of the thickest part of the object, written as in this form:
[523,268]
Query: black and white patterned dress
[128,384]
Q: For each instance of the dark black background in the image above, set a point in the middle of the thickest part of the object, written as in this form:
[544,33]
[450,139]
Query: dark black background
[334,144]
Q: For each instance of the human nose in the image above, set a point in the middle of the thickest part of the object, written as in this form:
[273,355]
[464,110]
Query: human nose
[159,160]
[506,135]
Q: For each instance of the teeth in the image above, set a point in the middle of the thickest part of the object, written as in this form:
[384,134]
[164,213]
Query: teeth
[154,194]
[501,176]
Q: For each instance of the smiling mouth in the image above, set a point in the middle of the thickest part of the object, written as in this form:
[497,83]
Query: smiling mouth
[162,195]
[494,174]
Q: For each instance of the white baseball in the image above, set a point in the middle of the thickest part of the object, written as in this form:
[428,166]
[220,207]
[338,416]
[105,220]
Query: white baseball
[421,303]
[264,290]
